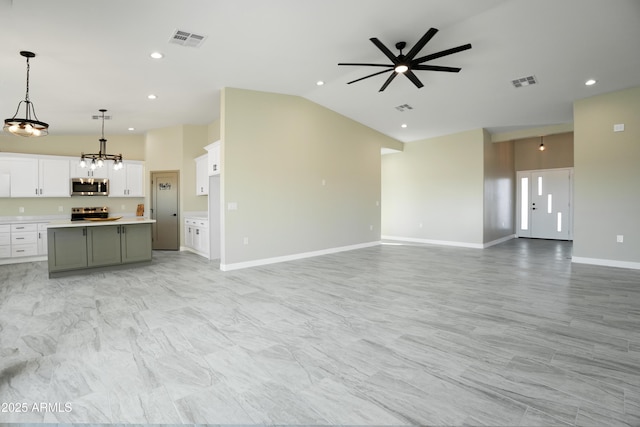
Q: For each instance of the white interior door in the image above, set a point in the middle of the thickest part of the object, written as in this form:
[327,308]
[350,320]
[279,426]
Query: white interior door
[544,207]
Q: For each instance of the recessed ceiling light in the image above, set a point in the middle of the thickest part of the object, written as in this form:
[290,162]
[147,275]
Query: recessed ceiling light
[152,96]
[404,125]
[156,55]
[131,129]
[590,82]
[319,83]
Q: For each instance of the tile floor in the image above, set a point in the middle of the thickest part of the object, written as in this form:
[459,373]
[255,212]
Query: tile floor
[512,335]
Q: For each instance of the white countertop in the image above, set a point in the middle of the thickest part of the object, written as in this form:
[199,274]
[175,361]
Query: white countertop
[87,223]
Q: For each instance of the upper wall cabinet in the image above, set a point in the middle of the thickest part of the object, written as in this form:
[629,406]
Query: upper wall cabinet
[128,181]
[202,178]
[5,178]
[214,158]
[39,177]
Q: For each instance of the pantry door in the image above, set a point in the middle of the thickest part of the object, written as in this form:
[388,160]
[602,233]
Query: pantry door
[545,208]
[165,204]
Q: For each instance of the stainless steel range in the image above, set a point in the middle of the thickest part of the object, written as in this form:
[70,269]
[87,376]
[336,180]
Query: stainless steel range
[80,214]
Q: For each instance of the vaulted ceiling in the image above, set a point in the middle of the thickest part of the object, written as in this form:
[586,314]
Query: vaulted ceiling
[93,55]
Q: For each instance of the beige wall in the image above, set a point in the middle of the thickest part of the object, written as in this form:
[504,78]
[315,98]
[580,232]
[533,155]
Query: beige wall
[558,152]
[131,147]
[499,189]
[277,152]
[607,177]
[175,148]
[437,183]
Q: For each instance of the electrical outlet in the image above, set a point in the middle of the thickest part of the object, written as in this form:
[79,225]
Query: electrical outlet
[122,207]
[60,209]
[371,228]
[620,238]
[246,240]
[324,182]
[21,209]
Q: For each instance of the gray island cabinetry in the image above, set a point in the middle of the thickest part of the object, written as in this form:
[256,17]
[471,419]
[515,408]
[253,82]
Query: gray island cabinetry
[84,245]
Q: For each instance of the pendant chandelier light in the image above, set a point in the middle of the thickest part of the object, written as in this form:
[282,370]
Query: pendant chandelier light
[94,161]
[541,146]
[29,125]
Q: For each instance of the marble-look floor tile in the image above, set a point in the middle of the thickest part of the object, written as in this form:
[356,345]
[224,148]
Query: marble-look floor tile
[407,334]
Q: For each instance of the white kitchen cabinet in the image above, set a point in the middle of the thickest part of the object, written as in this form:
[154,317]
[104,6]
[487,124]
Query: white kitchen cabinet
[24,240]
[128,181]
[75,171]
[42,238]
[213,158]
[39,177]
[202,177]
[5,178]
[196,235]
[5,240]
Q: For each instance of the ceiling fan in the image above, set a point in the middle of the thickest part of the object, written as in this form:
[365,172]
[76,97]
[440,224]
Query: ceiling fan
[406,64]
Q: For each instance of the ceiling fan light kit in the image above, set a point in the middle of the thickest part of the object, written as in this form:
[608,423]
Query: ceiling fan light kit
[406,64]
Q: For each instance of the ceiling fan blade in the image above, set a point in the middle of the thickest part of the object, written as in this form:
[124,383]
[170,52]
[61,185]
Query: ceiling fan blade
[436,68]
[389,80]
[370,75]
[384,50]
[367,65]
[423,41]
[413,78]
[442,53]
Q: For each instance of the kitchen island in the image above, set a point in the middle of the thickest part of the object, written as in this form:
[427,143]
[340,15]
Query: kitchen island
[83,245]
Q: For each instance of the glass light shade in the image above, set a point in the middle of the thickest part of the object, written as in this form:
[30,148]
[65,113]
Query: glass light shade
[100,163]
[26,127]
[401,68]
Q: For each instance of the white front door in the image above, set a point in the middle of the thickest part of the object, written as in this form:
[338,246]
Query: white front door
[544,207]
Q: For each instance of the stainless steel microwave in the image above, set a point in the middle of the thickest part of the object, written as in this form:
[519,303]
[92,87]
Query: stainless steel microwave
[89,187]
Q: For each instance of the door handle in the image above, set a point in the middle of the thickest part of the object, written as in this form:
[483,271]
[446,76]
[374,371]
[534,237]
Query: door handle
[174,215]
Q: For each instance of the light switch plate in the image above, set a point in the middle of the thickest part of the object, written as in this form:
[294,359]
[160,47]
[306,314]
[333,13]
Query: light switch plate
[619,127]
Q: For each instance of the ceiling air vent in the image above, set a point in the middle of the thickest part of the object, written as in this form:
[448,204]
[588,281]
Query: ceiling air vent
[100,117]
[525,81]
[185,38]
[404,107]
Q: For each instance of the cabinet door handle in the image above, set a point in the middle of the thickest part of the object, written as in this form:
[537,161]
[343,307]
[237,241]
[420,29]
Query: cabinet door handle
[84,231]
[20,250]
[124,229]
[41,191]
[197,231]
[19,238]
[36,191]
[19,228]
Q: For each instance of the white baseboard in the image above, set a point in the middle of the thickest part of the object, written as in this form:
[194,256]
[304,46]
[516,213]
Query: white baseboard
[265,261]
[498,241]
[435,242]
[18,260]
[606,262]
[188,249]
[451,243]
